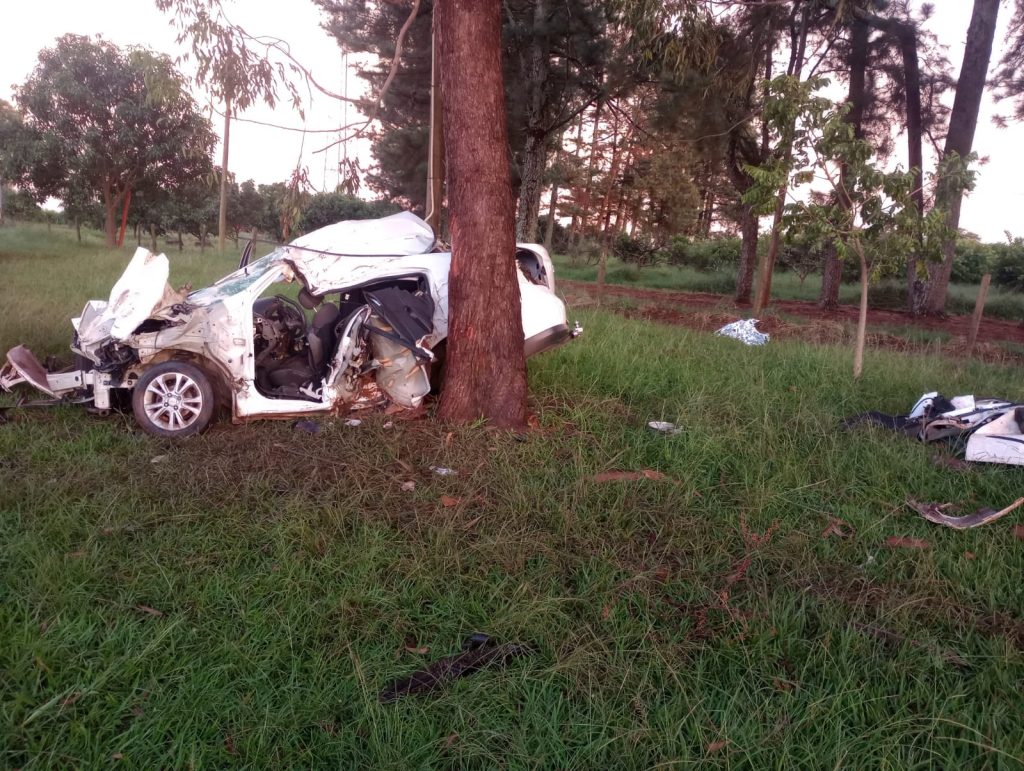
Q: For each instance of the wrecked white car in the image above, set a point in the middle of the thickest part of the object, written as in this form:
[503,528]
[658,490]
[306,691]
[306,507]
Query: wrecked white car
[377,298]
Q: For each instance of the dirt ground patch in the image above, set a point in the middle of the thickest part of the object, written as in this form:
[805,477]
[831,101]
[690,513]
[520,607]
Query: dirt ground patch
[815,326]
[992,330]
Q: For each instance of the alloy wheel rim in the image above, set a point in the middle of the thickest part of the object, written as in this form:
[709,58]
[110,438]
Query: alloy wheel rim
[173,401]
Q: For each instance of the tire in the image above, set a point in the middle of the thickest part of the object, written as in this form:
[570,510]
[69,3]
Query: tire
[173,399]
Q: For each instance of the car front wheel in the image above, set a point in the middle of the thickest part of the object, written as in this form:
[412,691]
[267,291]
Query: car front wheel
[173,399]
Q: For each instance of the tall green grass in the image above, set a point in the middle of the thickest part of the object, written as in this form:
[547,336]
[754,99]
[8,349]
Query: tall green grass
[241,598]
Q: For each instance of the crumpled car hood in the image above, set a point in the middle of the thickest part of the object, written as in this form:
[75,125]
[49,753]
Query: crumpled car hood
[141,293]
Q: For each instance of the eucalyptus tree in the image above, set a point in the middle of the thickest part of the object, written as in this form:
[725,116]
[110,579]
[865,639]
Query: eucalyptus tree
[236,72]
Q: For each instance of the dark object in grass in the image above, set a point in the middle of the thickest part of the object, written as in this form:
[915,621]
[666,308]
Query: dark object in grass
[309,426]
[478,651]
[936,512]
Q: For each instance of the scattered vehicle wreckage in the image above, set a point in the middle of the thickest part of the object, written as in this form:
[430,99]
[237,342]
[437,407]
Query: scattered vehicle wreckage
[988,430]
[379,301]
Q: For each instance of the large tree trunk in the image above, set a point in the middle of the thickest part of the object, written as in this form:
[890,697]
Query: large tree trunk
[110,207]
[535,150]
[831,279]
[963,121]
[748,255]
[222,218]
[486,367]
[530,187]
[549,230]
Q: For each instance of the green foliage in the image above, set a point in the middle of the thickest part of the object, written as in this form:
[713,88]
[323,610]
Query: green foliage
[636,250]
[973,260]
[866,213]
[228,60]
[707,255]
[101,121]
[325,209]
[1009,264]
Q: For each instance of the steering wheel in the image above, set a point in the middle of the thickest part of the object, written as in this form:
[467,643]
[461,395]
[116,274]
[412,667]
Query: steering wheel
[292,315]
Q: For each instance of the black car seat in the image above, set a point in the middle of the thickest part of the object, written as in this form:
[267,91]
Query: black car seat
[321,336]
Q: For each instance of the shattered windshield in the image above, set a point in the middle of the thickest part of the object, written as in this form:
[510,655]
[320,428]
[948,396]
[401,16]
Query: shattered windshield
[241,279]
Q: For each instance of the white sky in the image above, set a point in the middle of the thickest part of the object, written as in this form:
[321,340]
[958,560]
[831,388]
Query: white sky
[270,155]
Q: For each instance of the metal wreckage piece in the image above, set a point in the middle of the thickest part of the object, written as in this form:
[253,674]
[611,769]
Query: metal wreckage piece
[479,651]
[988,430]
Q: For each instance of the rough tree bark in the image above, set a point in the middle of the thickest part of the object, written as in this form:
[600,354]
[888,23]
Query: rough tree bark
[963,121]
[486,366]
[748,255]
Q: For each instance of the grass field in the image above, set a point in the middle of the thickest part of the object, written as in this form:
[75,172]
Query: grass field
[240,599]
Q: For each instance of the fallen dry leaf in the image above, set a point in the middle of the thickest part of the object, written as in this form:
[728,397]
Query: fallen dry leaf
[629,476]
[117,756]
[408,486]
[970,555]
[418,651]
[782,685]
[450,740]
[229,745]
[76,554]
[448,501]
[905,542]
[150,611]
[838,528]
[472,523]
[1018,532]
[606,612]
[716,746]
[70,699]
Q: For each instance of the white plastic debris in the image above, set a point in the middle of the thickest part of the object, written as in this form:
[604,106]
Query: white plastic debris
[663,427]
[745,331]
[353,422]
[443,472]
[408,486]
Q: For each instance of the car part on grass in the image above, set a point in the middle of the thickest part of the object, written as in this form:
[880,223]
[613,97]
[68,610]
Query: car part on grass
[663,427]
[988,430]
[936,512]
[745,331]
[379,297]
[478,652]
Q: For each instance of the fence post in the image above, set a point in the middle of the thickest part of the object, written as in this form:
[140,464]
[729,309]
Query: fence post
[979,311]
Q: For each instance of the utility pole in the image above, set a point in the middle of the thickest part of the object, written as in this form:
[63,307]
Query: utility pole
[435,158]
